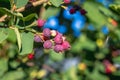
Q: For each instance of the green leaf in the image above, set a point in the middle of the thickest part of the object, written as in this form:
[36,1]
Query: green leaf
[116,60]
[3,35]
[56,3]
[20,3]
[18,38]
[29,17]
[108,12]
[3,66]
[83,43]
[14,64]
[11,35]
[51,11]
[94,14]
[6,11]
[10,13]
[53,55]
[14,75]
[27,43]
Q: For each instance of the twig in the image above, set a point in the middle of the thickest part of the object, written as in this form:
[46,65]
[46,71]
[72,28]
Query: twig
[3,18]
[34,4]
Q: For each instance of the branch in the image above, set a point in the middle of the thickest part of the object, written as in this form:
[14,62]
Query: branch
[34,4]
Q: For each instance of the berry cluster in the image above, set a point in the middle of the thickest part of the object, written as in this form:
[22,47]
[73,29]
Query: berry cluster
[51,39]
[58,42]
[77,8]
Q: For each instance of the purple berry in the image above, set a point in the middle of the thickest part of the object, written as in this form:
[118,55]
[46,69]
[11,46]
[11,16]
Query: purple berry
[58,48]
[72,11]
[83,12]
[37,38]
[47,44]
[46,32]
[66,45]
[40,22]
[58,38]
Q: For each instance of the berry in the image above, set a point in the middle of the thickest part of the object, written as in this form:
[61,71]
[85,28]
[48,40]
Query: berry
[40,22]
[47,32]
[72,11]
[47,44]
[83,11]
[37,38]
[108,70]
[67,1]
[66,45]
[58,39]
[30,56]
[58,48]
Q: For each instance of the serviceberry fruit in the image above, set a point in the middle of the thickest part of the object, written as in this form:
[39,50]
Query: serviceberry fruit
[58,48]
[47,32]
[47,44]
[67,1]
[72,11]
[30,56]
[83,11]
[108,70]
[40,22]
[58,39]
[37,38]
[66,45]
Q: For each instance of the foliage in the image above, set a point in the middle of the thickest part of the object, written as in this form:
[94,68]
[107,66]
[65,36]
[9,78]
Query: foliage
[94,39]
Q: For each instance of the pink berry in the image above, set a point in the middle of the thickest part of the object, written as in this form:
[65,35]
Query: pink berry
[37,38]
[66,45]
[30,56]
[47,32]
[58,48]
[40,22]
[108,70]
[67,1]
[47,44]
[58,38]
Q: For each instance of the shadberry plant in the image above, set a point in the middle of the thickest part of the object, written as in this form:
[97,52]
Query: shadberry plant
[31,28]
